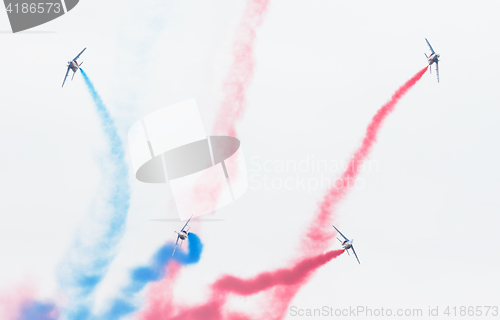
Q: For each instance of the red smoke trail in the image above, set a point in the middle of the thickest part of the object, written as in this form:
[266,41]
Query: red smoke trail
[319,232]
[20,303]
[241,71]
[233,106]
[159,300]
[337,192]
[12,300]
[266,280]
[287,282]
[239,76]
[231,110]
[214,308]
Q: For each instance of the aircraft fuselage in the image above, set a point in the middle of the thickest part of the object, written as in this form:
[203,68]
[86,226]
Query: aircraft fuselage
[73,65]
[347,244]
[183,235]
[433,58]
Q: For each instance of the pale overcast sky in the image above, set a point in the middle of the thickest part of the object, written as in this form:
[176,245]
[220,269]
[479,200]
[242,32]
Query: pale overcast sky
[426,215]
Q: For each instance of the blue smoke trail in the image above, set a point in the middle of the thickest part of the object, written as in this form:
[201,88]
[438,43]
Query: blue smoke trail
[83,277]
[88,262]
[141,276]
[33,310]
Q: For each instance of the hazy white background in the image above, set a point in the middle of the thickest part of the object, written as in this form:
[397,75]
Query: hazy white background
[426,221]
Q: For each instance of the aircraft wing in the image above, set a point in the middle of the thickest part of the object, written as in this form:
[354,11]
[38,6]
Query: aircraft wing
[67,71]
[176,242]
[437,70]
[352,247]
[79,54]
[186,223]
[340,233]
[432,50]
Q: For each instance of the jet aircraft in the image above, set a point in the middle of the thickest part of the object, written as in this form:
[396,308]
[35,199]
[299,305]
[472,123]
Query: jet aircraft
[433,58]
[347,244]
[183,235]
[74,66]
